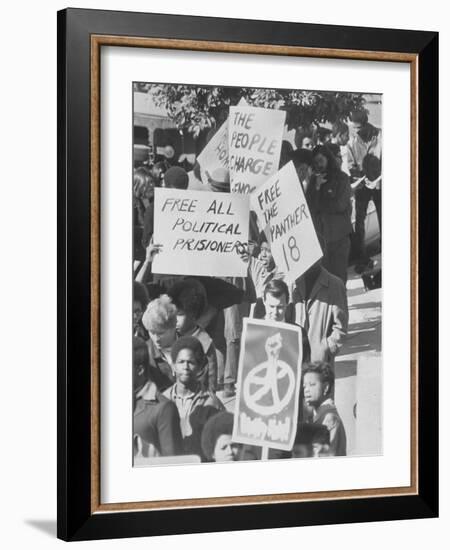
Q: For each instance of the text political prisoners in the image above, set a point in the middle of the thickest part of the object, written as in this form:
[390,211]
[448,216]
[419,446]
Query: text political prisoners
[203,227]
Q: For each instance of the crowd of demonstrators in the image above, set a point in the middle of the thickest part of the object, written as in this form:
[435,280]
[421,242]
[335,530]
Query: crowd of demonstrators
[188,329]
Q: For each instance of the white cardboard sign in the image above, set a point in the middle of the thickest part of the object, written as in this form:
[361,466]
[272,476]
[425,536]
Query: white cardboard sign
[283,213]
[254,145]
[200,233]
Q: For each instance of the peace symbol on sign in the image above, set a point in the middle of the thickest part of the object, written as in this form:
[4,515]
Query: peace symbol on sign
[265,377]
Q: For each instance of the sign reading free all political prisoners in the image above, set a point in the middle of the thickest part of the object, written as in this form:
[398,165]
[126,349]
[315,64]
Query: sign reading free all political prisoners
[254,145]
[283,212]
[201,233]
[268,385]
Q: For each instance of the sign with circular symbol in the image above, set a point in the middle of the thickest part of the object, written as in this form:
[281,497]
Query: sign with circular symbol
[261,387]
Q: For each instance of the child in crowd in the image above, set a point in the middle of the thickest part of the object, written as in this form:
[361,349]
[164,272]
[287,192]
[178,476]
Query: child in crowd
[318,382]
[160,320]
[189,295]
[194,405]
[216,439]
[261,268]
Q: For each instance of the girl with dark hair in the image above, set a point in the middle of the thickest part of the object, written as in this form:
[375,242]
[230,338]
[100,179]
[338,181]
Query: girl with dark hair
[317,389]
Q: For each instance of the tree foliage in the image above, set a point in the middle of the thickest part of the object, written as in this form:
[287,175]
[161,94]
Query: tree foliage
[198,108]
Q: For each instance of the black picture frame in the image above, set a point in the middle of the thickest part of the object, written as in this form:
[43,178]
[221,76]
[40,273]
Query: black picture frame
[78,518]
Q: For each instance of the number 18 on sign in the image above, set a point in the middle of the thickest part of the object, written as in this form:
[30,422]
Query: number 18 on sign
[282,211]
[268,385]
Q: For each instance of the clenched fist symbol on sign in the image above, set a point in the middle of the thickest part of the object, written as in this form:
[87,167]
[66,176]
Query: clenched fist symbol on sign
[263,380]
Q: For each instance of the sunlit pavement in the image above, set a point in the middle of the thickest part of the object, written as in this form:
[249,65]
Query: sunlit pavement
[358,369]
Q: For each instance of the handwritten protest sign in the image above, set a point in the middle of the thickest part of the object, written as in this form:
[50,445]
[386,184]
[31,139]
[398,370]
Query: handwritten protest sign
[268,384]
[215,153]
[200,233]
[254,145]
[282,211]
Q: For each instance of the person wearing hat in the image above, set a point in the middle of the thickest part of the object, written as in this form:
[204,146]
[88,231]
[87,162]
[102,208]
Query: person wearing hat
[216,440]
[219,180]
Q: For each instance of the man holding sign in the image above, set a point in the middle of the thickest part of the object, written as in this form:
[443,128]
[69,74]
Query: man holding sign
[283,212]
[254,144]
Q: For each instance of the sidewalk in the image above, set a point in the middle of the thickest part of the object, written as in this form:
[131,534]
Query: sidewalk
[363,342]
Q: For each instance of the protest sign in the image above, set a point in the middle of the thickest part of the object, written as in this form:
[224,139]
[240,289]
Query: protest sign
[215,152]
[283,212]
[254,145]
[200,232]
[268,384]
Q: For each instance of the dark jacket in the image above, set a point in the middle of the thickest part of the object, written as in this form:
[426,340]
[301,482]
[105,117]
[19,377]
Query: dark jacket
[157,422]
[331,207]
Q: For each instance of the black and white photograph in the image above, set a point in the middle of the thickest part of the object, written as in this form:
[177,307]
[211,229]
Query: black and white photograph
[257,274]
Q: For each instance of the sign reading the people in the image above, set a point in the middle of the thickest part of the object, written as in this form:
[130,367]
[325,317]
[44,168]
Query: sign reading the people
[254,145]
[282,211]
[268,384]
[201,233]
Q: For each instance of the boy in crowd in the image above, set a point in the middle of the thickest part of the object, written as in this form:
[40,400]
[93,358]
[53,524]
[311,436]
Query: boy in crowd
[318,383]
[194,405]
[189,296]
[156,422]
